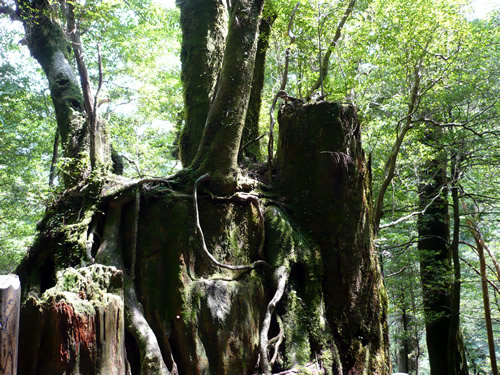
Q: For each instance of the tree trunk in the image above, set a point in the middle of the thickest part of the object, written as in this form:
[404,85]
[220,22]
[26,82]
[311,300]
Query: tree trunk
[219,147]
[406,344]
[436,273]
[204,30]
[198,283]
[487,311]
[50,47]
[180,310]
[250,147]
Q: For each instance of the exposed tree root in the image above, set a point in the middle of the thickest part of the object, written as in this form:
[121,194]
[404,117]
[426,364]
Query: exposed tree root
[137,209]
[110,253]
[278,339]
[202,178]
[281,276]
[255,200]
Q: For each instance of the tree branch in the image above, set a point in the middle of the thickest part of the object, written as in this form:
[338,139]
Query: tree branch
[492,284]
[326,59]
[284,79]
[11,12]
[457,124]
[404,218]
[74,37]
[397,272]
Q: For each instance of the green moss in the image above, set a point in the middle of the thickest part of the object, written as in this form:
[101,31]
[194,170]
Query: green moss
[297,345]
[85,289]
[191,298]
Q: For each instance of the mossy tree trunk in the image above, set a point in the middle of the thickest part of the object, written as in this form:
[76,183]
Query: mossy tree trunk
[219,146]
[51,48]
[204,29]
[76,119]
[324,177]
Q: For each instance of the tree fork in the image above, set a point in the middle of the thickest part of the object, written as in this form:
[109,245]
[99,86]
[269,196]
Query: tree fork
[219,147]
[204,24]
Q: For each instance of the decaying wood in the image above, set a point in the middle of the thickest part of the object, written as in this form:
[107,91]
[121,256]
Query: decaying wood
[10,299]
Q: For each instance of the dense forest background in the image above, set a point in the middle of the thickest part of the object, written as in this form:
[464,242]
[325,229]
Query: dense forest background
[423,76]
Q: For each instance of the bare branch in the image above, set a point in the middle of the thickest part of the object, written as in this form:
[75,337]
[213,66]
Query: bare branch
[252,141]
[404,218]
[397,272]
[326,59]
[136,165]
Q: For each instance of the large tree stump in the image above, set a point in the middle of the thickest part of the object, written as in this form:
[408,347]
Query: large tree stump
[325,179]
[76,327]
[10,297]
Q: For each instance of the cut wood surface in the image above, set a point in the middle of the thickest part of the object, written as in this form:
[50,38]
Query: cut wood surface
[10,295]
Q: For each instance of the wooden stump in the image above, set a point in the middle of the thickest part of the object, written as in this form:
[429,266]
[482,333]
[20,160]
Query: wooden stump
[325,180]
[10,296]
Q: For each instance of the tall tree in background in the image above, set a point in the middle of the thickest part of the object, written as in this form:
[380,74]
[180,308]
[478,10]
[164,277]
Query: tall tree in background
[436,268]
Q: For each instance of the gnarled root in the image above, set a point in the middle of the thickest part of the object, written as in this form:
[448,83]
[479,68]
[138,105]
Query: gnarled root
[244,267]
[281,276]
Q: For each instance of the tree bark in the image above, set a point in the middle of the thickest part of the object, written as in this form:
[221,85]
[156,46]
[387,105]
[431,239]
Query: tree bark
[204,30]
[323,175]
[250,147]
[49,46]
[436,272]
[219,147]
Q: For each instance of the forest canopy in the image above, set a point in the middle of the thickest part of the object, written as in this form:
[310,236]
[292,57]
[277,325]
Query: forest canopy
[422,75]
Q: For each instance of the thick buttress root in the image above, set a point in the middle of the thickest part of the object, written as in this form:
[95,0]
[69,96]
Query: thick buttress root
[110,253]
